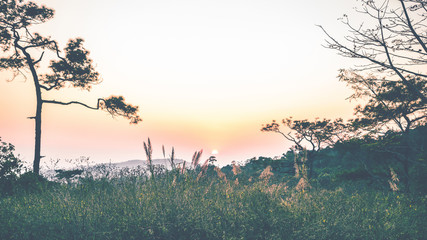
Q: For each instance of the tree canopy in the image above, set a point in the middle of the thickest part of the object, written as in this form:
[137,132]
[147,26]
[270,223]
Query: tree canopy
[72,67]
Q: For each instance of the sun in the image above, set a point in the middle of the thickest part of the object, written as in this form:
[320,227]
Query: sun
[214,152]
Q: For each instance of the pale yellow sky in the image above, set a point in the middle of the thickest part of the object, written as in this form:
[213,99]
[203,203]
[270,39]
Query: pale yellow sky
[206,75]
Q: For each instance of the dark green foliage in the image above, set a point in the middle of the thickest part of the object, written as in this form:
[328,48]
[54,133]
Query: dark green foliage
[179,206]
[30,182]
[345,201]
[75,68]
[10,167]
[67,175]
[282,169]
[116,106]
[390,103]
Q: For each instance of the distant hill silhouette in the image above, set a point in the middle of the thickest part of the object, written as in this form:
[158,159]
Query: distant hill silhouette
[143,163]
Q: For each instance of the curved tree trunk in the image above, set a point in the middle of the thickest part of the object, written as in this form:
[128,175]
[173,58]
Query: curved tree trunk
[38,132]
[38,117]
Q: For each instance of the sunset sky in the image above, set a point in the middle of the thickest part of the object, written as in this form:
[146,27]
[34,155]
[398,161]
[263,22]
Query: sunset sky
[206,74]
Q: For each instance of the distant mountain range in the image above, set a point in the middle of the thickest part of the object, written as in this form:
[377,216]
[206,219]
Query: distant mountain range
[136,162]
[126,164]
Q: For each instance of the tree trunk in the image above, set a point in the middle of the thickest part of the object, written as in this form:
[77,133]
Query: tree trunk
[407,156]
[310,163]
[38,117]
[38,132]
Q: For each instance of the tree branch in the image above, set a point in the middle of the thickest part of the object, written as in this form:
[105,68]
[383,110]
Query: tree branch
[75,102]
[412,88]
[408,21]
[39,59]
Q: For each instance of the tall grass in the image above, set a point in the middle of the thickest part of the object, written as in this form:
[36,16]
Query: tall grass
[208,206]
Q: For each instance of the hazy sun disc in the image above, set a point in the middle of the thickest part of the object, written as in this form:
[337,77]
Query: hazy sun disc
[214,152]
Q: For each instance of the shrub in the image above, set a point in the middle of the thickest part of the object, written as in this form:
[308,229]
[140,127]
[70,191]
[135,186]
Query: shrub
[10,167]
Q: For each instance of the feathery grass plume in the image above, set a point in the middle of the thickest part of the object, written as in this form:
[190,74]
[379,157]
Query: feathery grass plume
[300,165]
[276,189]
[236,168]
[296,166]
[266,174]
[301,171]
[174,181]
[394,180]
[183,168]
[236,182]
[204,169]
[220,174]
[149,153]
[205,165]
[196,158]
[172,158]
[302,185]
[163,150]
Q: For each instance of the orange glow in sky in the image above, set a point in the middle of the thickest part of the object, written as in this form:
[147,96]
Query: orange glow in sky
[206,75]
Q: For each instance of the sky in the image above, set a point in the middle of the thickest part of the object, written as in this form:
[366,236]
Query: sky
[205,74]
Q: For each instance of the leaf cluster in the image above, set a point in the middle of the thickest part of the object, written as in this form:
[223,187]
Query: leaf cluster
[10,166]
[76,68]
[116,106]
[318,133]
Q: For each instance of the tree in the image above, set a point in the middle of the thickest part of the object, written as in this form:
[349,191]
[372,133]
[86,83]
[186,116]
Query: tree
[391,111]
[390,105]
[24,51]
[10,167]
[317,134]
[393,43]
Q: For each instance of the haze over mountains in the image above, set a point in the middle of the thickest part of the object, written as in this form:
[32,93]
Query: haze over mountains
[137,162]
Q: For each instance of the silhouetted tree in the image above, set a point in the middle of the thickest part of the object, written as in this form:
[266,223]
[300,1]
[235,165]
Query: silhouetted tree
[72,68]
[392,41]
[390,105]
[10,167]
[317,134]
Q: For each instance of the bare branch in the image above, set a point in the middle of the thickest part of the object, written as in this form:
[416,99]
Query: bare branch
[76,102]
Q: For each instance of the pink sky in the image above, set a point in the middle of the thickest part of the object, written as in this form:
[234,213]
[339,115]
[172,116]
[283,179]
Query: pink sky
[206,75]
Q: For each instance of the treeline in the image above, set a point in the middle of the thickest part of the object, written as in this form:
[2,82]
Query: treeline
[392,161]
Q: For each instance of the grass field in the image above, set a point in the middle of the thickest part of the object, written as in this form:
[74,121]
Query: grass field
[176,205]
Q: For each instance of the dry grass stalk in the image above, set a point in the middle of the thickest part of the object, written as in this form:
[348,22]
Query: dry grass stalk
[183,168]
[296,166]
[196,158]
[300,165]
[301,171]
[172,158]
[266,174]
[203,170]
[205,165]
[276,188]
[149,153]
[394,180]
[220,174]
[302,185]
[236,168]
[163,150]
[174,181]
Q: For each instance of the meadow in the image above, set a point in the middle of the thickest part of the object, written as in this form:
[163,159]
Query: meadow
[203,202]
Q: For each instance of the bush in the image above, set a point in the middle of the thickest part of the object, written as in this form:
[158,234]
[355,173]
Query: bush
[10,167]
[30,182]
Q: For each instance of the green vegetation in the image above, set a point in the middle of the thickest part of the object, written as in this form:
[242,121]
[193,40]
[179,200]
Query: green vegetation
[262,199]
[364,178]
[178,206]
